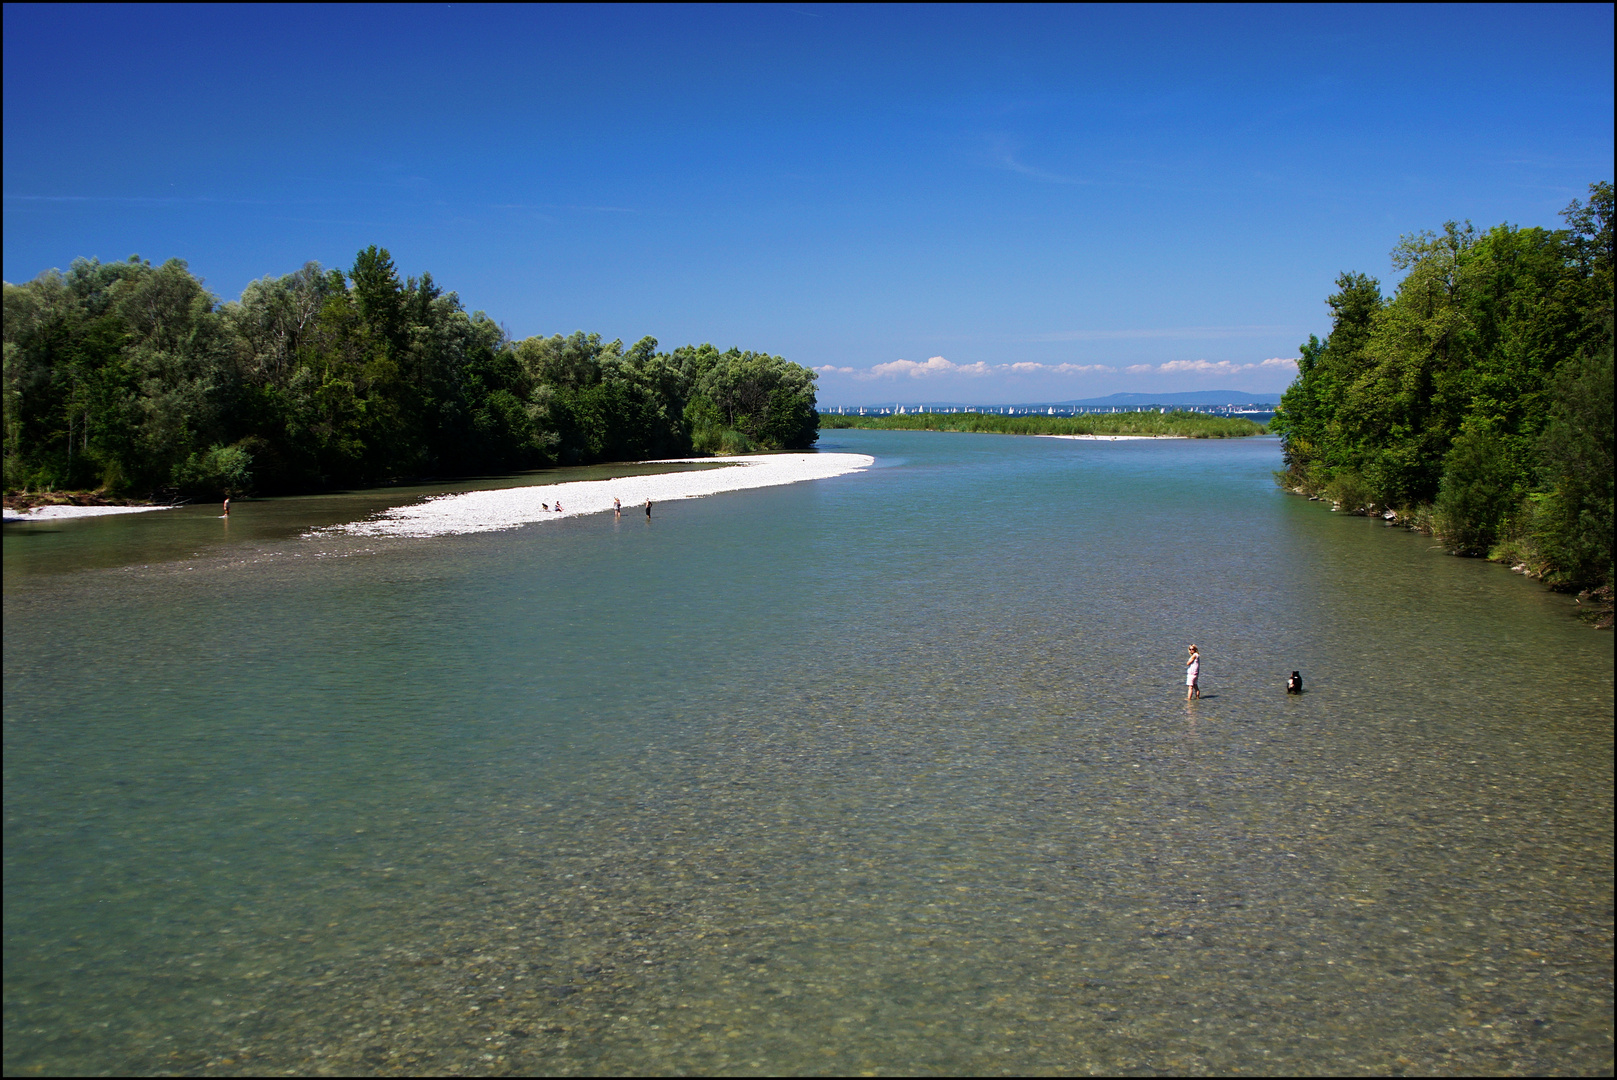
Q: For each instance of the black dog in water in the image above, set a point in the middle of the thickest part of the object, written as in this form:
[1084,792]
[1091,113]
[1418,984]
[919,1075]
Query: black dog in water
[1294,685]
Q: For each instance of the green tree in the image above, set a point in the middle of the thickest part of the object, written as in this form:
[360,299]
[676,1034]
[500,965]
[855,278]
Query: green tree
[134,378]
[1476,492]
[1311,409]
[1574,525]
[1472,387]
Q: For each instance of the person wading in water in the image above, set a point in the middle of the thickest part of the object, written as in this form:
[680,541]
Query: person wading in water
[1193,674]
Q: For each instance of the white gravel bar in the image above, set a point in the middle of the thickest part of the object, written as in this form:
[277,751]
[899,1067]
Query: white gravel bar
[508,508]
[52,513]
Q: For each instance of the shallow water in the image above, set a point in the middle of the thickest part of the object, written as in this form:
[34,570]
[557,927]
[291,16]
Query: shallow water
[890,772]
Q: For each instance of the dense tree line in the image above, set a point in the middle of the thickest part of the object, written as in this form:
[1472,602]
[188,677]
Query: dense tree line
[1476,401]
[132,378]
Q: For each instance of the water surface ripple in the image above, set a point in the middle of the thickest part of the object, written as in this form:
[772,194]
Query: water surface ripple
[890,772]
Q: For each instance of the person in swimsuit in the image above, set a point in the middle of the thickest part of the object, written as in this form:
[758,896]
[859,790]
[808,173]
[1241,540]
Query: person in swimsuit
[1193,673]
[648,509]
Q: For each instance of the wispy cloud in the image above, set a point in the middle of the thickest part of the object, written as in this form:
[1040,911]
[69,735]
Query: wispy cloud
[893,369]
[1212,367]
[1008,161]
[938,366]
[1223,367]
[1002,154]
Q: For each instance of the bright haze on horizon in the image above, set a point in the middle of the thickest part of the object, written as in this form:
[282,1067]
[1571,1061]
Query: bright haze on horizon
[986,204]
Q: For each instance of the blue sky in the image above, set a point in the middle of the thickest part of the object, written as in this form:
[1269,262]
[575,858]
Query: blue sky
[975,204]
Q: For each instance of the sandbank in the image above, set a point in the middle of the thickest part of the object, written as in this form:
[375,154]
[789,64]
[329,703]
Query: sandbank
[508,508]
[52,513]
[1111,438]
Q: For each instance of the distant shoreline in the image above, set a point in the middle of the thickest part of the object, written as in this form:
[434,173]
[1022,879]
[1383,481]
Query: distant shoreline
[1135,425]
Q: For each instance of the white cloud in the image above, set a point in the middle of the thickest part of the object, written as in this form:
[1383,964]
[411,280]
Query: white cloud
[937,365]
[1202,367]
[1210,367]
[1030,368]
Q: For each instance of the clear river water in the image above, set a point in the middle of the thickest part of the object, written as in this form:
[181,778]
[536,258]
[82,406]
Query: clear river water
[891,772]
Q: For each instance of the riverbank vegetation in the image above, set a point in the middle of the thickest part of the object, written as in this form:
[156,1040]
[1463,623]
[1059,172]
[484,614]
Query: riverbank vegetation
[1476,401]
[1183,424]
[130,378]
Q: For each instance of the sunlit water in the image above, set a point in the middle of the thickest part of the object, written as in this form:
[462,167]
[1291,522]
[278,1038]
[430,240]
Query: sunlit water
[890,772]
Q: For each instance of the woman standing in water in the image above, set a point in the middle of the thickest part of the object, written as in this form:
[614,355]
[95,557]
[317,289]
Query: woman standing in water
[1193,673]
